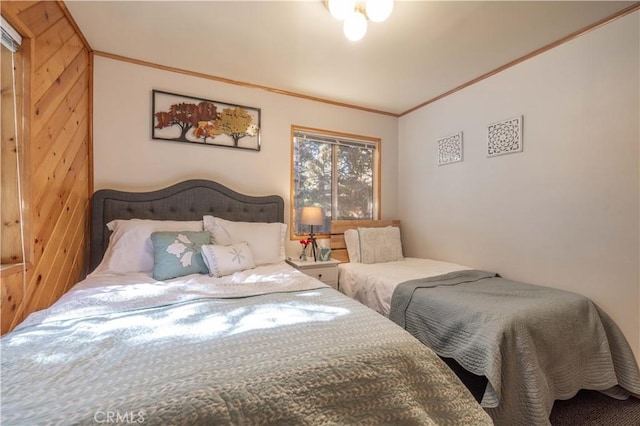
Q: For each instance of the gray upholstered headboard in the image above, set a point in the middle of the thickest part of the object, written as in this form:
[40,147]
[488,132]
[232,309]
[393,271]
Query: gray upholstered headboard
[188,200]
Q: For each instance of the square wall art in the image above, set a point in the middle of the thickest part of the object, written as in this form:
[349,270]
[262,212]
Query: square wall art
[504,137]
[450,149]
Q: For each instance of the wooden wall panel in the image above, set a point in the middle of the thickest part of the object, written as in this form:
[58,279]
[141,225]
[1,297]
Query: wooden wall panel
[59,163]
[55,94]
[51,70]
[56,181]
[44,171]
[51,40]
[41,145]
[55,262]
[11,298]
[39,16]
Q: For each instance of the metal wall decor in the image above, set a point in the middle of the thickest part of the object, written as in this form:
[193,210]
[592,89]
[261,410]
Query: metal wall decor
[201,121]
[504,137]
[450,149]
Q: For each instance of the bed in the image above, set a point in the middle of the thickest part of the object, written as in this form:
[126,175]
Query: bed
[257,343]
[533,344]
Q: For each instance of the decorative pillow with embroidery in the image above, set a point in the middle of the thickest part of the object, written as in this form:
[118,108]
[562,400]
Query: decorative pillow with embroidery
[178,253]
[225,260]
[266,240]
[380,244]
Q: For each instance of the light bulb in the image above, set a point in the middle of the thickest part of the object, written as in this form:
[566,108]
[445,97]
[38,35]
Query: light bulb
[379,10]
[355,26]
[339,9]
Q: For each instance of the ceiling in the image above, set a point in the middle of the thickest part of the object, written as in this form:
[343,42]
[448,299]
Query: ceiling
[425,48]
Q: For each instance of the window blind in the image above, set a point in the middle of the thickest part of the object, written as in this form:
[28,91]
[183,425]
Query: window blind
[335,140]
[11,39]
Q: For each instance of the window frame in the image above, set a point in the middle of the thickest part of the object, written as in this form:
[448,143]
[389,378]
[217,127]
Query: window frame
[377,175]
[24,109]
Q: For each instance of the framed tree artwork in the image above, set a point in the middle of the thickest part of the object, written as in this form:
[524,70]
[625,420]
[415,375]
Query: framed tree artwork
[182,118]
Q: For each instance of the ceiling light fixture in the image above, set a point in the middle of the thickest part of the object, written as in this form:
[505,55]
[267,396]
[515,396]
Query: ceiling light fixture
[355,14]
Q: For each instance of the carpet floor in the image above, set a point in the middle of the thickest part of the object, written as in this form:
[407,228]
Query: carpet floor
[587,408]
[591,408]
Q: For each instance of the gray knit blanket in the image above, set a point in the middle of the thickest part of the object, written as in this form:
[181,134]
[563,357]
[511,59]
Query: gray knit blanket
[534,344]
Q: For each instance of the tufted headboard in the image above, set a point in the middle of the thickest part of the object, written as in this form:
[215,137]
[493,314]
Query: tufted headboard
[188,200]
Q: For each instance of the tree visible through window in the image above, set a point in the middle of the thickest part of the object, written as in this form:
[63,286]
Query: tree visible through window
[337,172]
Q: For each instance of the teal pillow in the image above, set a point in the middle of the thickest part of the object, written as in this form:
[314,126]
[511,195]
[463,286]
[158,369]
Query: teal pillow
[176,254]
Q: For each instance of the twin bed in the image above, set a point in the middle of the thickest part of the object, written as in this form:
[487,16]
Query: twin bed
[533,344]
[259,343]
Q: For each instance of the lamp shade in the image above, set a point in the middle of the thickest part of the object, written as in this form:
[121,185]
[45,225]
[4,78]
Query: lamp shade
[355,26]
[379,10]
[339,9]
[312,216]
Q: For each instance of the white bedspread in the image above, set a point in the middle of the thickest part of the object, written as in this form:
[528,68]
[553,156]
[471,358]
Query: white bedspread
[102,293]
[373,284]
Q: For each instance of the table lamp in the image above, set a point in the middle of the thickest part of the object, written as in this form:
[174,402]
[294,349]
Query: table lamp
[312,216]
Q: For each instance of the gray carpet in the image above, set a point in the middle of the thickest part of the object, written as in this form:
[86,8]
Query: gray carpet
[587,408]
[591,408]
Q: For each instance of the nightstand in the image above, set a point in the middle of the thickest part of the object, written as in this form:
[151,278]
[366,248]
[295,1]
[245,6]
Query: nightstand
[326,271]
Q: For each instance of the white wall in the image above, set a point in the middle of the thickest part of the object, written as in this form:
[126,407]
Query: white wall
[565,211]
[125,156]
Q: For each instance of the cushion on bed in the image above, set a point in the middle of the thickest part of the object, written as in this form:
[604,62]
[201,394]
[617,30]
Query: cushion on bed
[265,240]
[352,241]
[380,244]
[225,260]
[130,248]
[178,253]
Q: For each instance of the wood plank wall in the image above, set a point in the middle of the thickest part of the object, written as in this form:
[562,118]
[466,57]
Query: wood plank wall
[59,165]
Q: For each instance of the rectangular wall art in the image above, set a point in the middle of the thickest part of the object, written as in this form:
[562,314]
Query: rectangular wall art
[183,118]
[504,137]
[450,149]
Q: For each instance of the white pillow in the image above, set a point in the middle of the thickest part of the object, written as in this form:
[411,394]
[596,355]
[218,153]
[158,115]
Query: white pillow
[352,241]
[130,248]
[225,260]
[265,240]
[380,244]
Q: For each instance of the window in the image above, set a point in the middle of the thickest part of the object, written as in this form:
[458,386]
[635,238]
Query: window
[335,171]
[12,161]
